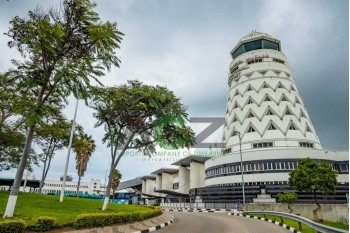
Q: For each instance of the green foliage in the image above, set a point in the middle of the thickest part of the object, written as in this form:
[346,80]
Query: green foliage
[31,206]
[287,197]
[313,176]
[44,223]
[84,146]
[11,149]
[63,49]
[103,219]
[12,226]
[130,112]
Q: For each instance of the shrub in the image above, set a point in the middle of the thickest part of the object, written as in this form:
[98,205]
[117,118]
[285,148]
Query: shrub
[12,226]
[44,223]
[103,219]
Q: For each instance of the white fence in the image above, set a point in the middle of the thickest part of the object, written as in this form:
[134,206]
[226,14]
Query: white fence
[228,206]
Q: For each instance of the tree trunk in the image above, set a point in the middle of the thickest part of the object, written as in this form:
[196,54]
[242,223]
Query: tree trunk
[11,203]
[109,186]
[290,208]
[113,194]
[317,209]
[42,176]
[78,186]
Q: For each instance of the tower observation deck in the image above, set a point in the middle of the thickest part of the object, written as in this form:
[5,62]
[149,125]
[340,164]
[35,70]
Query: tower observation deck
[263,102]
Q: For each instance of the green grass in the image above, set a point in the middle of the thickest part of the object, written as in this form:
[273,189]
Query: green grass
[306,229]
[31,205]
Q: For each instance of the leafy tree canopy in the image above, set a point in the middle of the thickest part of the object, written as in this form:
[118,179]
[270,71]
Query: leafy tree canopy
[131,112]
[313,176]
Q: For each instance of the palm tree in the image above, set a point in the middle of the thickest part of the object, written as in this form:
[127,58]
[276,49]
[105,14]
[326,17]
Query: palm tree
[116,180]
[84,147]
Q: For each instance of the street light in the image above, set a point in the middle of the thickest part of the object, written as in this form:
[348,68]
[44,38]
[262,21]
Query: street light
[68,154]
[240,152]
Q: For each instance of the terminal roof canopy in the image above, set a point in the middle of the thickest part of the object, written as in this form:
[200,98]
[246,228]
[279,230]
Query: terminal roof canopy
[166,170]
[30,183]
[185,162]
[149,177]
[130,184]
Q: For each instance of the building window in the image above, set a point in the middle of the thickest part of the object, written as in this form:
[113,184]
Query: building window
[292,127]
[239,51]
[263,145]
[250,115]
[270,45]
[251,130]
[227,151]
[306,144]
[271,127]
[269,113]
[254,61]
[234,69]
[250,101]
[267,98]
[278,60]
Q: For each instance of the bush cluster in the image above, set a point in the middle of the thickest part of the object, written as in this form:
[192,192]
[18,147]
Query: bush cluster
[103,219]
[12,226]
[44,223]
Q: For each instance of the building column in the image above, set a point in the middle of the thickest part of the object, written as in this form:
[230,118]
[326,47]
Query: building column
[184,180]
[158,182]
[195,175]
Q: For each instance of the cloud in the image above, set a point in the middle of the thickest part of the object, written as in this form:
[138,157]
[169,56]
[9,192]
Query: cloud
[185,45]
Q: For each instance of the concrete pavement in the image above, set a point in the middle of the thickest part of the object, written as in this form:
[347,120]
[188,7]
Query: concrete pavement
[216,222]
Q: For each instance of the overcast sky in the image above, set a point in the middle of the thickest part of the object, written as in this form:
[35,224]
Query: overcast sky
[185,45]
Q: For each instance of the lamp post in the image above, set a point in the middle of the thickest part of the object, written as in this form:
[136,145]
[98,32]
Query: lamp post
[68,154]
[240,152]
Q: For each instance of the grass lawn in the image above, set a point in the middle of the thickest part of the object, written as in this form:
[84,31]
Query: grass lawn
[31,205]
[306,229]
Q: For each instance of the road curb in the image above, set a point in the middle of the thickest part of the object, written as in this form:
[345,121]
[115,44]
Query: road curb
[291,229]
[196,211]
[157,227]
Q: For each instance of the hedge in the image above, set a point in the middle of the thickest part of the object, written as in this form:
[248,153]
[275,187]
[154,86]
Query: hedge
[12,226]
[103,219]
[44,223]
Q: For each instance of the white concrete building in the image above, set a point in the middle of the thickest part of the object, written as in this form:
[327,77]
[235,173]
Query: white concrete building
[93,187]
[265,111]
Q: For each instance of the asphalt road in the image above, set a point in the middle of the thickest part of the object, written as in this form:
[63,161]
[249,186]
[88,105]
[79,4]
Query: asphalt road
[218,222]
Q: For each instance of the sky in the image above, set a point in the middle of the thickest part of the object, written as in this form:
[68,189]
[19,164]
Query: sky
[185,45]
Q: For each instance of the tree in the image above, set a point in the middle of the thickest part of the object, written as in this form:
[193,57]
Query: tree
[63,49]
[51,138]
[289,198]
[12,135]
[84,147]
[131,113]
[116,180]
[11,147]
[313,176]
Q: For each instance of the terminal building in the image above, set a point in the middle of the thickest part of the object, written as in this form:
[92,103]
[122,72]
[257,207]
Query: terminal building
[265,115]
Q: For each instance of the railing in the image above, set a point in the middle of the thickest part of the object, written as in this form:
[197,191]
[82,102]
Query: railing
[316,226]
[228,206]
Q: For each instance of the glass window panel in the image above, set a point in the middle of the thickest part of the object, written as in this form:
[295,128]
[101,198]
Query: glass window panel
[273,166]
[249,46]
[267,44]
[282,166]
[239,51]
[274,46]
[265,166]
[257,44]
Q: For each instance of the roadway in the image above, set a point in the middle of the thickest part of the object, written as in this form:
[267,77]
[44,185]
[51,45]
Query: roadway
[218,222]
